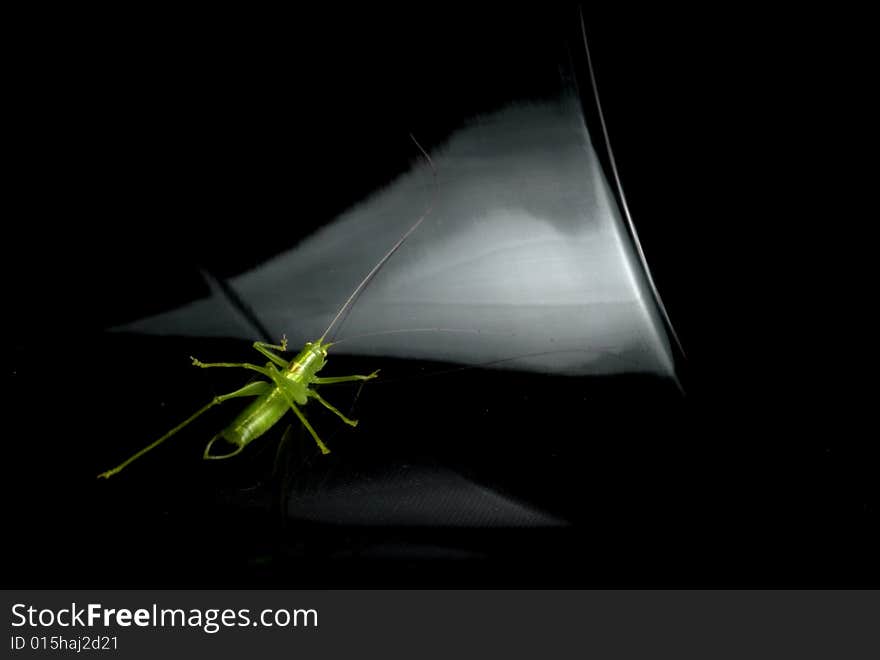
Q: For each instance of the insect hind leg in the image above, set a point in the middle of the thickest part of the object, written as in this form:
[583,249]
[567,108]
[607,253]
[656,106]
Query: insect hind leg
[251,389]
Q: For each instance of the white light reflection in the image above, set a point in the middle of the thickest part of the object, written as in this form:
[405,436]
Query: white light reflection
[525,250]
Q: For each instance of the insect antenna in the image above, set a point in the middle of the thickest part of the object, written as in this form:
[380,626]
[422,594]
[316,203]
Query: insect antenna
[347,305]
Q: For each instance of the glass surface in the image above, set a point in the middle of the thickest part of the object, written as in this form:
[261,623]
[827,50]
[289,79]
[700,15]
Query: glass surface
[529,379]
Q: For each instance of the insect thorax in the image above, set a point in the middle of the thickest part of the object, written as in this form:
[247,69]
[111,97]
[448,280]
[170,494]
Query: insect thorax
[309,361]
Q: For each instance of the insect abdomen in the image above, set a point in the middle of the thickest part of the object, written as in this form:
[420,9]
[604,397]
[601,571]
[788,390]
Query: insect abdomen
[256,419]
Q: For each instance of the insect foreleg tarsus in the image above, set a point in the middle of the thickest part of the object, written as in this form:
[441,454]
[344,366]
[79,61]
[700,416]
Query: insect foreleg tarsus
[251,389]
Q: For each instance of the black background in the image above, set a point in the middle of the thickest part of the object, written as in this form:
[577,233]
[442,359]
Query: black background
[149,146]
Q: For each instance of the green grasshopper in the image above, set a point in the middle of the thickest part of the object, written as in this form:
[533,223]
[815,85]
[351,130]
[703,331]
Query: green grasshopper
[289,383]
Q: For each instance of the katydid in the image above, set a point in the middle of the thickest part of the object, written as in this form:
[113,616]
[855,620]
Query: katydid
[289,383]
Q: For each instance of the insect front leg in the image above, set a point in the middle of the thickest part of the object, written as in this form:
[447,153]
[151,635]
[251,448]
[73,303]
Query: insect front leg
[263,348]
[243,365]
